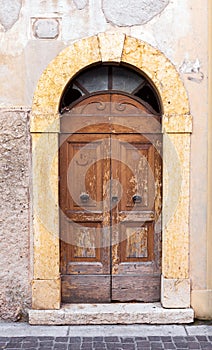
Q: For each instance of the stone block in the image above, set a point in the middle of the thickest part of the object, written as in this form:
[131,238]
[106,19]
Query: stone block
[45,206]
[46,294]
[116,313]
[176,174]
[175,293]
[46,28]
[111,46]
[177,123]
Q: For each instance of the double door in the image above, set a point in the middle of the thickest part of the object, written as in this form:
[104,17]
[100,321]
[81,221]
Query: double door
[110,205]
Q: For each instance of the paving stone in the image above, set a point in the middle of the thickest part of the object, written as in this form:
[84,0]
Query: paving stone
[13,345]
[17,339]
[86,346]
[154,338]
[111,339]
[178,339]
[127,340]
[128,346]
[62,339]
[169,346]
[143,343]
[60,346]
[204,344]
[193,345]
[109,343]
[181,345]
[87,339]
[30,344]
[156,345]
[97,344]
[166,339]
[75,340]
[113,346]
[74,346]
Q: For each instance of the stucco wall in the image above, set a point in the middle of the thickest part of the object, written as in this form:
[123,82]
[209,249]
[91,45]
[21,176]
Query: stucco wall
[32,33]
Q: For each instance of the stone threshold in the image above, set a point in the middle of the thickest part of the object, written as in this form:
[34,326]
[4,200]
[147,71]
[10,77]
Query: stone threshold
[114,313]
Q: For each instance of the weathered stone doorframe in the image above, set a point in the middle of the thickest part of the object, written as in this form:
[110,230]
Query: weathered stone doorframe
[45,127]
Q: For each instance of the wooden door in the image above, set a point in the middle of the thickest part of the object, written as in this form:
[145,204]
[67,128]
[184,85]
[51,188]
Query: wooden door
[136,239]
[110,201]
[85,217]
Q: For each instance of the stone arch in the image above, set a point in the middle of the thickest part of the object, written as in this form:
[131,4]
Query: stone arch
[106,48]
[45,126]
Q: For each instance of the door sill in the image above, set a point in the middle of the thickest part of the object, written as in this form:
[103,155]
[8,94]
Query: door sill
[114,313]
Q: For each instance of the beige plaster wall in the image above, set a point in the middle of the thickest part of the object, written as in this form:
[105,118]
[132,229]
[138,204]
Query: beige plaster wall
[202,294]
[24,56]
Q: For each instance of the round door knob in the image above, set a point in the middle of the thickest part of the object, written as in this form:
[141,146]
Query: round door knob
[137,198]
[84,197]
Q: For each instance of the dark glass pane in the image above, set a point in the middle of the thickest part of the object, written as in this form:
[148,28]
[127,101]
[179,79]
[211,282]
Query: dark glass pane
[71,94]
[125,80]
[96,79]
[148,95]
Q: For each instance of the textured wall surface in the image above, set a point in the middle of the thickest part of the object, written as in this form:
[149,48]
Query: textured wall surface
[14,217]
[32,33]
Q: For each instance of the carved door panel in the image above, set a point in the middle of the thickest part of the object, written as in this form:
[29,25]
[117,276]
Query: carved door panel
[136,239]
[85,217]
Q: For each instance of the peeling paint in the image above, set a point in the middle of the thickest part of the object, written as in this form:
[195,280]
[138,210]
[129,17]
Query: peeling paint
[192,67]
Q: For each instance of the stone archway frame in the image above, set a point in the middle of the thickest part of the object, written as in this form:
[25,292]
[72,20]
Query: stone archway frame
[45,126]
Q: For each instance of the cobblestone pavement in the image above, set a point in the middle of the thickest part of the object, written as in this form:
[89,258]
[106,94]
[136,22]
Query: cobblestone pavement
[110,343]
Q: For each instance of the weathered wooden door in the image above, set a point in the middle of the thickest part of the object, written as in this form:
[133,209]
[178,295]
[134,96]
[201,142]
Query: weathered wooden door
[110,201]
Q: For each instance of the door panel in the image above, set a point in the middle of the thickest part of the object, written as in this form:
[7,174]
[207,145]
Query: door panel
[136,288]
[85,217]
[86,289]
[133,239]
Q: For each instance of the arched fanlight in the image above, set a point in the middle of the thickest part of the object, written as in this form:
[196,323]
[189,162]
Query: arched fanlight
[111,78]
